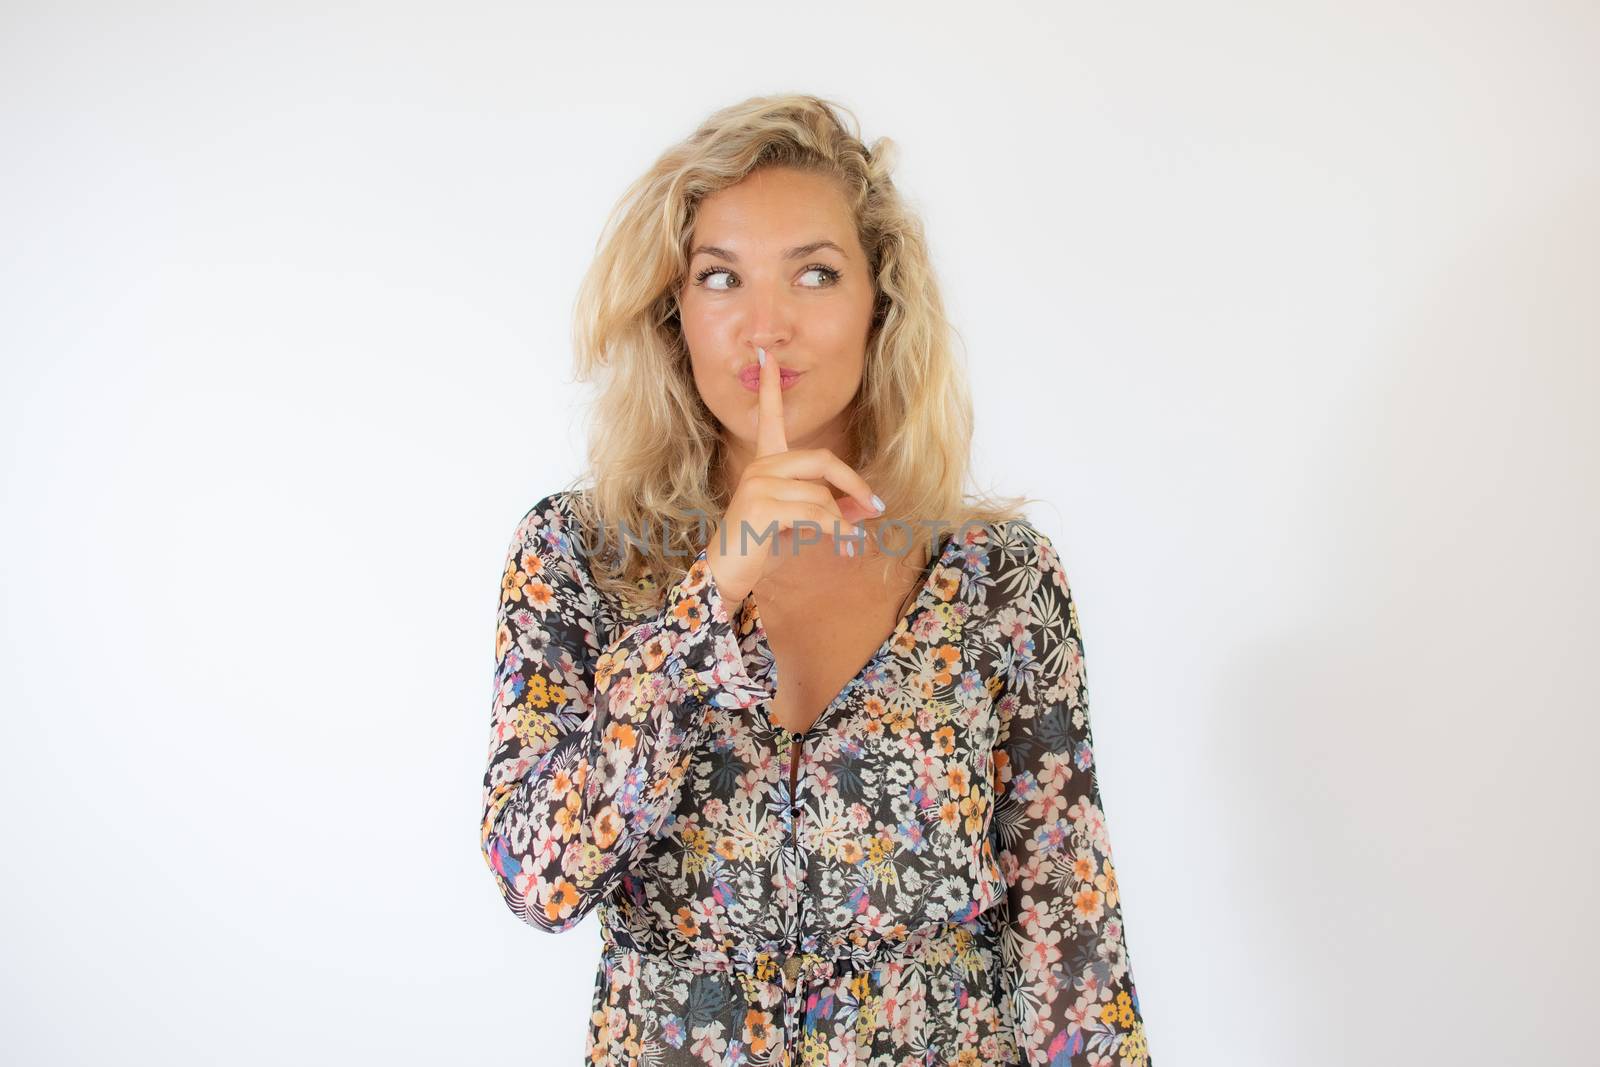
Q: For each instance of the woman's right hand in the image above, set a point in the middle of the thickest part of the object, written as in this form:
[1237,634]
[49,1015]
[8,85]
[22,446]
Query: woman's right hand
[774,494]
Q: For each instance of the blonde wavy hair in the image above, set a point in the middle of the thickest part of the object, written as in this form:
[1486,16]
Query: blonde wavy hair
[656,452]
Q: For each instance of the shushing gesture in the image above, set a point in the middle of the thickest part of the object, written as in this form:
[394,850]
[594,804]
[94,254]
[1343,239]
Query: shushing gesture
[776,490]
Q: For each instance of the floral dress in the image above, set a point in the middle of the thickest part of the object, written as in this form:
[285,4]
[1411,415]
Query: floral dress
[922,877]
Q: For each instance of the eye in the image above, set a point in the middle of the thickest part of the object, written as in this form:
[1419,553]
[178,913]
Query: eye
[829,275]
[706,272]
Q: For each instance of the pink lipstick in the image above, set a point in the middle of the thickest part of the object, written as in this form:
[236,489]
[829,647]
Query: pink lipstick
[750,376]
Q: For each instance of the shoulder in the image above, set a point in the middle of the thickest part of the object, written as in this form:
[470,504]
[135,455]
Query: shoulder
[549,538]
[1026,571]
[1017,543]
[555,520]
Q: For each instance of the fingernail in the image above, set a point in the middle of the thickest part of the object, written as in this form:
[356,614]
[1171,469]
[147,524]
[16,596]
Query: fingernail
[849,548]
[877,502]
[761,356]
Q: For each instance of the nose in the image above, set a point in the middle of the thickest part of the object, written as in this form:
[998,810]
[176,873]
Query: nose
[768,319]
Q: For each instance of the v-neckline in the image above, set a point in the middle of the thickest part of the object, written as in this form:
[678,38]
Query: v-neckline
[947,542]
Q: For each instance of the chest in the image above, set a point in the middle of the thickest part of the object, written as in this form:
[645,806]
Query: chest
[825,631]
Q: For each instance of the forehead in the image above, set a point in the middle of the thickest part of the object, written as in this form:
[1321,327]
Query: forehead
[775,205]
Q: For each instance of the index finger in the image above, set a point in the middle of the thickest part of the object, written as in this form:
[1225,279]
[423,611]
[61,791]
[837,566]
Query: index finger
[770,437]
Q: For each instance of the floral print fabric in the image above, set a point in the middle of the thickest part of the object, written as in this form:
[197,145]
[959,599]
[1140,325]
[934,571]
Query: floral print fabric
[936,888]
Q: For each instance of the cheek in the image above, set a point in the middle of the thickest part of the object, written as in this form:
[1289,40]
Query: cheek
[704,320]
[848,323]
[720,391]
[717,388]
[703,334]
[840,338]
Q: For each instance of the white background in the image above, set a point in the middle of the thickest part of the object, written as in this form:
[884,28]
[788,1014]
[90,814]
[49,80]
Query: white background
[1288,310]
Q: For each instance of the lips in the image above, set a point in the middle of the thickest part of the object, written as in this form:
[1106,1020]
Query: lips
[750,376]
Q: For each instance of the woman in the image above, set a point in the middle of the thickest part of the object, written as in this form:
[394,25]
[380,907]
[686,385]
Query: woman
[897,855]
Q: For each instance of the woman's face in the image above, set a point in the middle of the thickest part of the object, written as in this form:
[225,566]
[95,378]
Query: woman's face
[774,262]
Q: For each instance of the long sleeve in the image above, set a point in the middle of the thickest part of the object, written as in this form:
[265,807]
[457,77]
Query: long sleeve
[589,745]
[1071,987]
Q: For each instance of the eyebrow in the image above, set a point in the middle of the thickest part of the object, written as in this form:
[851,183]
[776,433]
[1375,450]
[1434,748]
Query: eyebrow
[789,253]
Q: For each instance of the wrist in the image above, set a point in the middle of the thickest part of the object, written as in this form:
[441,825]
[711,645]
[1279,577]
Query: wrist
[732,595]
